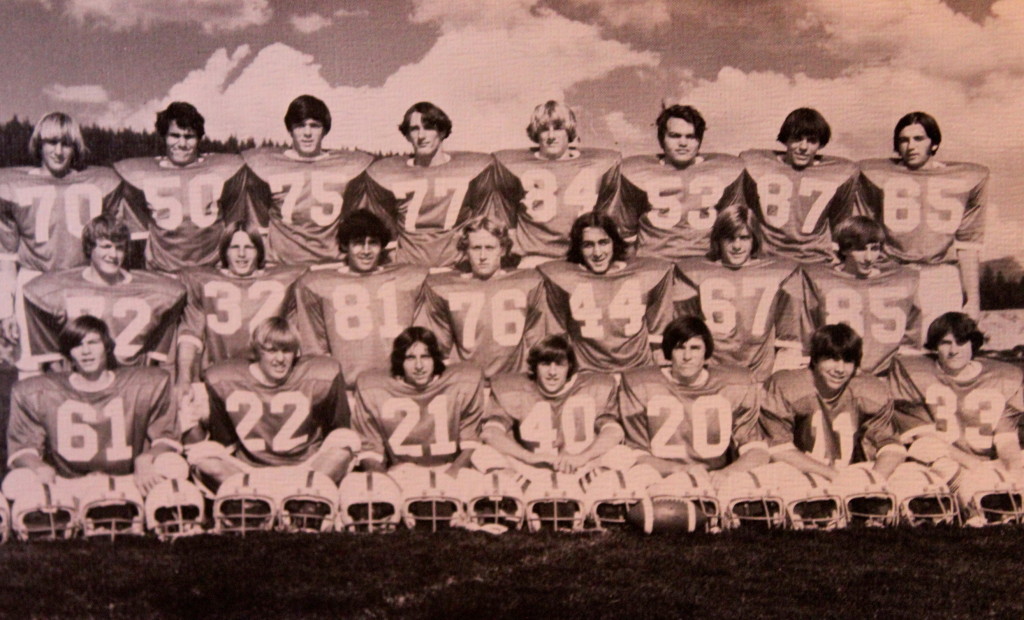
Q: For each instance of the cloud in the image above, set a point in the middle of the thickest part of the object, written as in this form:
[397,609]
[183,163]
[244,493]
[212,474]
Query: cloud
[213,16]
[642,14]
[309,23]
[83,93]
[344,13]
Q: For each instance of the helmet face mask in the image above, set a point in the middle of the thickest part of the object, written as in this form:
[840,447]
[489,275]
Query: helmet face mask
[241,508]
[306,514]
[431,502]
[1000,507]
[610,496]
[816,513]
[695,488]
[175,508]
[372,517]
[752,499]
[46,523]
[923,498]
[500,509]
[756,513]
[111,507]
[369,502]
[555,503]
[871,510]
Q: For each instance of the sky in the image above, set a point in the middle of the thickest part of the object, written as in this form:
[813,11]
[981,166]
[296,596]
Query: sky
[744,63]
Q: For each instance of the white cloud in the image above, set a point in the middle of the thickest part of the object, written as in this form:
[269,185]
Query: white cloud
[343,13]
[82,93]
[212,16]
[309,23]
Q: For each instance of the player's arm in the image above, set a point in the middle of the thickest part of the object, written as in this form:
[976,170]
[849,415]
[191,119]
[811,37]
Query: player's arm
[372,455]
[26,436]
[747,436]
[609,435]
[635,425]
[433,313]
[778,422]
[879,430]
[162,434]
[496,431]
[469,426]
[309,321]
[969,265]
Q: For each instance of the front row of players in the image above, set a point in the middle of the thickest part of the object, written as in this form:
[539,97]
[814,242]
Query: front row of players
[97,449]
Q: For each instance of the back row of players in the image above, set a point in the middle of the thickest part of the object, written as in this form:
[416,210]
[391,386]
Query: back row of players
[611,305]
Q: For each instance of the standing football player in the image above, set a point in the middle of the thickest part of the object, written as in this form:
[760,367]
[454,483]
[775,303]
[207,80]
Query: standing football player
[354,311]
[550,185]
[427,198]
[669,201]
[751,303]
[933,212]
[42,212]
[141,308]
[553,417]
[299,191]
[880,304]
[798,194]
[489,316]
[611,308]
[181,201]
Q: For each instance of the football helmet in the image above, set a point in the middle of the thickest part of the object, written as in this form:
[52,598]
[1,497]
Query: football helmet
[866,498]
[175,508]
[39,510]
[811,503]
[989,492]
[369,502]
[694,486]
[923,498]
[751,499]
[111,506]
[307,502]
[430,499]
[243,504]
[495,497]
[609,495]
[554,502]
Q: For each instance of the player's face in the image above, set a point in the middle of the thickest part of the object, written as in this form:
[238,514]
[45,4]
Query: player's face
[862,261]
[276,363]
[680,144]
[107,257]
[834,373]
[597,250]
[57,154]
[241,255]
[182,145]
[418,367]
[307,137]
[484,253]
[552,376]
[915,147]
[953,356]
[736,250]
[89,358]
[554,141]
[425,142]
[688,359]
[364,254]
[800,151]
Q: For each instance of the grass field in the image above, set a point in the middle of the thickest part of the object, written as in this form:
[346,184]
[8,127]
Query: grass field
[897,573]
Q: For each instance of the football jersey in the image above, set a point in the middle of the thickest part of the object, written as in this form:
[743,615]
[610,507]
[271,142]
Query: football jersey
[402,423]
[142,312]
[426,207]
[276,424]
[552,424]
[747,309]
[966,412]
[609,318]
[300,200]
[798,209]
[850,427]
[927,214]
[546,196]
[671,211]
[182,211]
[223,308]
[884,310]
[709,424]
[41,216]
[355,317]
[491,323]
[80,432]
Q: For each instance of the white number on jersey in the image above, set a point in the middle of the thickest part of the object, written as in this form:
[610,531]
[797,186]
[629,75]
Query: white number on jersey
[78,441]
[945,408]
[295,405]
[44,198]
[326,206]
[703,410]
[165,195]
[541,200]
[667,195]
[227,301]
[843,431]
[577,424]
[354,318]
[125,346]
[775,192]
[508,315]
[718,298]
[627,304]
[845,305]
[409,411]
[415,192]
[906,197]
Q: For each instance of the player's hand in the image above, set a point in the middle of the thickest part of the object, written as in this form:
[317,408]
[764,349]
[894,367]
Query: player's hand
[718,478]
[568,463]
[146,476]
[9,329]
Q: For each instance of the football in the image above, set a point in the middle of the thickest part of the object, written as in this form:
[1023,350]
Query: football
[665,515]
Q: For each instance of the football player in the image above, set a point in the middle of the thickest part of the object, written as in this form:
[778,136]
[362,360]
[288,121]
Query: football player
[552,417]
[550,185]
[750,302]
[141,308]
[298,192]
[825,417]
[691,414]
[419,411]
[669,201]
[933,212]
[427,198]
[181,201]
[353,311]
[880,304]
[798,194]
[489,316]
[275,409]
[42,212]
[611,308]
